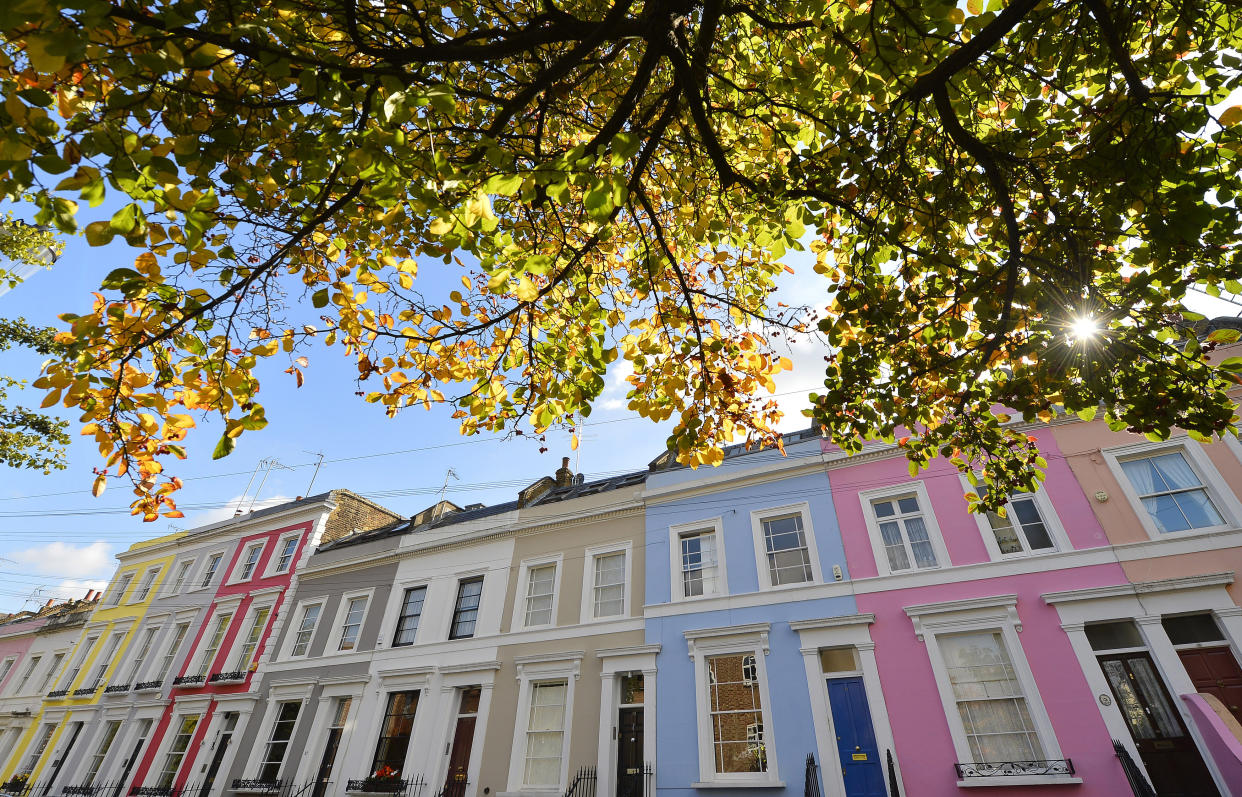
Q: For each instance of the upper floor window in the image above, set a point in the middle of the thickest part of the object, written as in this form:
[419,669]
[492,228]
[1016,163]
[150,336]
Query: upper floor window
[466,609]
[105,659]
[699,565]
[143,650]
[355,610]
[411,612]
[540,594]
[209,572]
[5,666]
[119,589]
[606,576]
[903,530]
[251,641]
[305,629]
[1028,526]
[208,655]
[179,632]
[31,665]
[251,560]
[183,572]
[144,587]
[51,672]
[284,556]
[1171,492]
[87,646]
[789,560]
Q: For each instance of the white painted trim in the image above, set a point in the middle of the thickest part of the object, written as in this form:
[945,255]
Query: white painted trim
[587,612]
[718,479]
[926,511]
[835,632]
[392,613]
[270,569]
[169,588]
[338,624]
[995,614]
[151,588]
[522,586]
[613,664]
[239,638]
[677,589]
[751,638]
[1140,588]
[1217,490]
[235,576]
[549,668]
[757,516]
[1047,513]
[196,583]
[286,652]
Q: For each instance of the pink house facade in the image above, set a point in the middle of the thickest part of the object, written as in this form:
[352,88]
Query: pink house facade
[994,651]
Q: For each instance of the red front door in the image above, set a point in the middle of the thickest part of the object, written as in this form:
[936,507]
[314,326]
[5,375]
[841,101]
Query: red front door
[1215,671]
[463,740]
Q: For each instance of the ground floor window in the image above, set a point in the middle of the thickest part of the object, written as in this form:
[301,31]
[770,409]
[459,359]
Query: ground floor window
[989,698]
[545,733]
[394,740]
[176,751]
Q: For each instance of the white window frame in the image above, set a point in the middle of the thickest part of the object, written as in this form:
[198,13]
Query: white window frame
[7,666]
[587,614]
[239,641]
[928,511]
[388,630]
[1056,531]
[1214,486]
[261,750]
[118,589]
[79,661]
[178,582]
[201,580]
[160,760]
[994,614]
[152,573]
[104,660]
[271,570]
[677,589]
[542,669]
[102,750]
[523,585]
[201,662]
[236,576]
[751,639]
[298,614]
[168,659]
[338,624]
[32,666]
[757,516]
[133,664]
[49,678]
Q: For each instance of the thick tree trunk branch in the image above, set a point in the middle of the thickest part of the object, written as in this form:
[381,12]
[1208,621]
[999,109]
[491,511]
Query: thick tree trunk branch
[969,52]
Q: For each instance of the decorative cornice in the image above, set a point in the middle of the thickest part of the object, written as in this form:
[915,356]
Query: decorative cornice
[965,605]
[948,615]
[832,622]
[604,653]
[706,638]
[1140,588]
[473,666]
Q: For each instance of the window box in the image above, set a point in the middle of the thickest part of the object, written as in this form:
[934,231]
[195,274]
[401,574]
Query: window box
[58,693]
[146,686]
[254,786]
[227,677]
[376,785]
[189,681]
[115,688]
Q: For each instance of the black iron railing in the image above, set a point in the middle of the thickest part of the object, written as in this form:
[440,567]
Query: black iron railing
[255,784]
[893,789]
[583,784]
[79,790]
[404,787]
[454,788]
[58,693]
[810,783]
[152,791]
[1002,769]
[114,688]
[1138,783]
[224,677]
[141,685]
[86,690]
[189,680]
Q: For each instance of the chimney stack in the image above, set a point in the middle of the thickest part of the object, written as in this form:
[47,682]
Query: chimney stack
[89,593]
[49,603]
[564,476]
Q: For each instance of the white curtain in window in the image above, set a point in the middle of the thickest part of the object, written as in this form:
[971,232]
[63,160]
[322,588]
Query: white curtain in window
[989,698]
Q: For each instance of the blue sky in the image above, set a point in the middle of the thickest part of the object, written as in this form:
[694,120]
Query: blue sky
[58,541]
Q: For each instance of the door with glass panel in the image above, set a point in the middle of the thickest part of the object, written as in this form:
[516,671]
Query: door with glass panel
[327,762]
[1169,753]
[630,736]
[857,751]
[222,745]
[458,776]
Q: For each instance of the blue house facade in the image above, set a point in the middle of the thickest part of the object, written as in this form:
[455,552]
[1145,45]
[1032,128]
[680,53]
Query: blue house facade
[743,561]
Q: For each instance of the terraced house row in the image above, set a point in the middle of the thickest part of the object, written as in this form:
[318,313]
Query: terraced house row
[813,623]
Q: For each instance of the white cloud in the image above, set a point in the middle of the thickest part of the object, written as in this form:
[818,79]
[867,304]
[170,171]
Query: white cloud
[66,561]
[228,509]
[73,588]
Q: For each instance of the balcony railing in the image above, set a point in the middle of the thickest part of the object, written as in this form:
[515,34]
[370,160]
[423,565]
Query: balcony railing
[227,677]
[58,693]
[189,680]
[86,690]
[256,785]
[396,786]
[114,688]
[142,686]
[87,791]
[1003,769]
[151,791]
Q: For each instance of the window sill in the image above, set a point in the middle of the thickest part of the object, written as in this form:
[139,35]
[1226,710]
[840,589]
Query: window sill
[738,784]
[1019,780]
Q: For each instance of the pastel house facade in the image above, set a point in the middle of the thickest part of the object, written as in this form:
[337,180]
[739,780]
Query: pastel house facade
[743,560]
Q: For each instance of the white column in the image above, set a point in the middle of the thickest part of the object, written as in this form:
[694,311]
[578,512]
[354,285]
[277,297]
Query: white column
[649,722]
[606,752]
[821,717]
[879,710]
[1116,724]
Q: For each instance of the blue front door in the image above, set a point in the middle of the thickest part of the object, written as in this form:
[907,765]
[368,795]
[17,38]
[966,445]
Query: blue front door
[856,747]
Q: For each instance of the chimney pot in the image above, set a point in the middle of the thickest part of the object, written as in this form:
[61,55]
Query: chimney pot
[564,476]
[50,601]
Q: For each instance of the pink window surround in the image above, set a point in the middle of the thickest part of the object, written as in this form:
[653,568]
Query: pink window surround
[920,728]
[960,529]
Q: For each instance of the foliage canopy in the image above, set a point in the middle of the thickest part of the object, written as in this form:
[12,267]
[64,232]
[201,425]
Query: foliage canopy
[619,180]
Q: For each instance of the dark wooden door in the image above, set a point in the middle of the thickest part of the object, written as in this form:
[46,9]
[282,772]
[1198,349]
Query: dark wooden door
[459,757]
[1215,671]
[630,752]
[324,775]
[1168,751]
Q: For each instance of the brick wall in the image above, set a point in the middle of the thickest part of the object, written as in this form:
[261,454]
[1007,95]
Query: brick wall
[355,513]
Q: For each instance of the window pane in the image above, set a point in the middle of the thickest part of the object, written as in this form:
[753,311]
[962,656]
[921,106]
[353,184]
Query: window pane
[884,509]
[1187,629]
[610,585]
[1171,492]
[466,610]
[395,733]
[539,585]
[908,504]
[411,611]
[838,660]
[1111,636]
[698,563]
[989,698]
[734,705]
[545,734]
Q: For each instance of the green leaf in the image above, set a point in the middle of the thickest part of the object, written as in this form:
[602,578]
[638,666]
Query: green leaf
[320,298]
[224,447]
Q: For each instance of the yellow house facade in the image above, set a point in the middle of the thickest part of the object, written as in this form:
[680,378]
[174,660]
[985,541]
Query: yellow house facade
[86,671]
